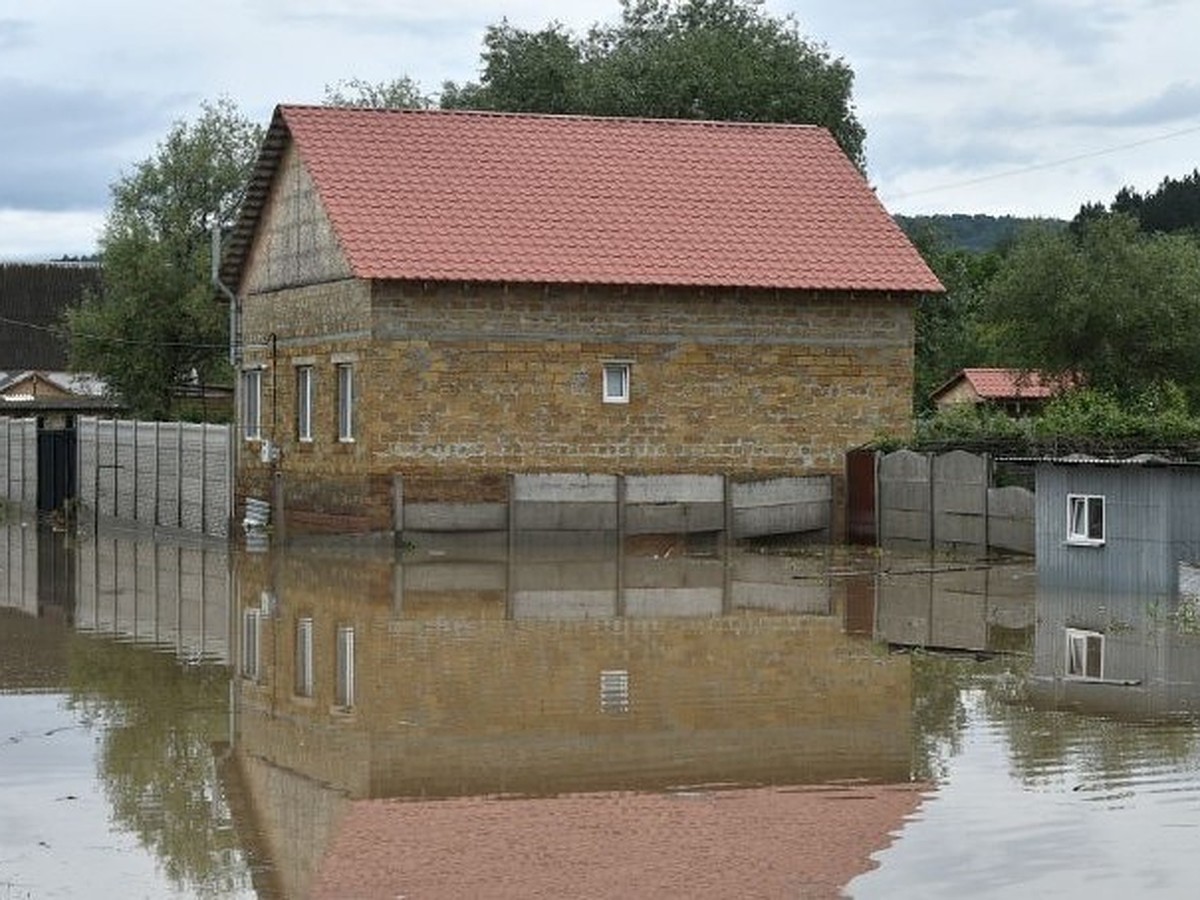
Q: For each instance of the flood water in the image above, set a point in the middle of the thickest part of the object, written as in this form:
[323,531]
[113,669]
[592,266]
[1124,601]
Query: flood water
[187,721]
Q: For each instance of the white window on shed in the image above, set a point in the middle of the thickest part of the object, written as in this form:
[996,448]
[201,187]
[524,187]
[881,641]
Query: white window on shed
[1085,519]
[1085,653]
[616,382]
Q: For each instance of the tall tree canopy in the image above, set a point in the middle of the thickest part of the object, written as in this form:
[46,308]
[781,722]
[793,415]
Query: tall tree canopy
[155,323]
[1115,305]
[693,59]
[1173,206]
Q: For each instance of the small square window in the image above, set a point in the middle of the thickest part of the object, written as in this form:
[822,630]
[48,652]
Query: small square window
[1085,654]
[616,382]
[1085,519]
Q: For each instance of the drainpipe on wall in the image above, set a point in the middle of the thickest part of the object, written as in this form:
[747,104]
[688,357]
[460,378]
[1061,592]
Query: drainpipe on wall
[235,361]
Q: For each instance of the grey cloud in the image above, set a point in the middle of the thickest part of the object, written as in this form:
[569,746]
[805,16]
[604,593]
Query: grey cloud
[62,148]
[14,33]
[1177,102]
[906,147]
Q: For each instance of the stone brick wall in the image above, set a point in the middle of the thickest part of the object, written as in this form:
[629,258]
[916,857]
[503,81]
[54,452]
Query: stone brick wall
[459,383]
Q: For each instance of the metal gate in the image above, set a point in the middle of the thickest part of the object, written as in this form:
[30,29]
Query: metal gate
[58,474]
[860,496]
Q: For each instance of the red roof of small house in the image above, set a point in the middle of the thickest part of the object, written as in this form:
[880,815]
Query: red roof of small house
[474,196]
[1006,384]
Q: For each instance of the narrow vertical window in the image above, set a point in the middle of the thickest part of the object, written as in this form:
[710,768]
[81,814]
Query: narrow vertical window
[304,403]
[304,656]
[344,694]
[1085,519]
[345,404]
[252,404]
[251,632]
[616,382]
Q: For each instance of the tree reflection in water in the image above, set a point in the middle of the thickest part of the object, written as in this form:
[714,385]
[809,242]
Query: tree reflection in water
[156,722]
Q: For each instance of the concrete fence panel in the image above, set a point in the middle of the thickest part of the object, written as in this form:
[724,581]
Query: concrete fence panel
[905,500]
[782,506]
[947,500]
[960,488]
[18,461]
[159,475]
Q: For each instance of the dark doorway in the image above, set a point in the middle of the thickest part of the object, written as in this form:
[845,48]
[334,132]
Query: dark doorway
[860,496]
[57,468]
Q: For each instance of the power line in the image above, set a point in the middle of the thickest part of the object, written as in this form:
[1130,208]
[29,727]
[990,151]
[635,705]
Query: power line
[135,342]
[1036,167]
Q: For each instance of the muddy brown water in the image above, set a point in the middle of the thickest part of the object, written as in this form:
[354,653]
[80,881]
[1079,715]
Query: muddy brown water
[187,721]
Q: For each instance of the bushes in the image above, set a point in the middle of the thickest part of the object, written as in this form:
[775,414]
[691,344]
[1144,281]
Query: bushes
[1085,420]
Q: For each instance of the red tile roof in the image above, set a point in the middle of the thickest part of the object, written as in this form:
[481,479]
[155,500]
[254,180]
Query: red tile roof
[470,196]
[1006,384]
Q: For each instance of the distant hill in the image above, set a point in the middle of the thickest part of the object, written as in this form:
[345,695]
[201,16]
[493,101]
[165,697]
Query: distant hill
[971,232]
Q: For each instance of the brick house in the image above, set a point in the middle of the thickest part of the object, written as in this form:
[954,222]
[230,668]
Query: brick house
[432,301]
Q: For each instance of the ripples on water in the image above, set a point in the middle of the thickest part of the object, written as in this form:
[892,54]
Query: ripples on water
[210,713]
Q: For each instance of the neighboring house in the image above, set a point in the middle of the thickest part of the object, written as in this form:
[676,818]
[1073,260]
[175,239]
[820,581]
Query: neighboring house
[54,397]
[431,301]
[1015,391]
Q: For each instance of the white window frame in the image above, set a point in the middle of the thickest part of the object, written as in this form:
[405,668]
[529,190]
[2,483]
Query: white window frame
[1081,530]
[251,643]
[1078,656]
[345,401]
[305,394]
[304,657]
[614,691]
[252,380]
[622,371]
[345,675]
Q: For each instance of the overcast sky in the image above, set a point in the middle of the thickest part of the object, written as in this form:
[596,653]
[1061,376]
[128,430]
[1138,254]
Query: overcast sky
[1028,107]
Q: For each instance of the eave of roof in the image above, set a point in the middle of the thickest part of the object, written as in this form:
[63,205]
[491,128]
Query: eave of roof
[509,197]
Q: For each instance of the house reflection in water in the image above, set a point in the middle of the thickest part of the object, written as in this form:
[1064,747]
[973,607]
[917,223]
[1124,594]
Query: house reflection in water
[1116,654]
[363,676]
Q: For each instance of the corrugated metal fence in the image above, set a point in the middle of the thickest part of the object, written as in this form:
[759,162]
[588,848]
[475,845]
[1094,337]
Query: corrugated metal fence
[18,461]
[175,476]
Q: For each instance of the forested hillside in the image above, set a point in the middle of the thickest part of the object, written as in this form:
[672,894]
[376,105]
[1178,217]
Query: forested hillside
[961,231]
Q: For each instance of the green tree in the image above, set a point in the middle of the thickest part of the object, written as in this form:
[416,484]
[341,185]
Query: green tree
[1116,306]
[951,332]
[155,325]
[1174,206]
[400,93]
[691,59]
